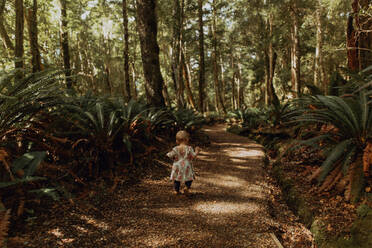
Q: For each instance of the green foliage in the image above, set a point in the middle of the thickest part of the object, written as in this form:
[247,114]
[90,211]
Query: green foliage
[21,100]
[28,162]
[254,118]
[187,119]
[351,119]
[251,118]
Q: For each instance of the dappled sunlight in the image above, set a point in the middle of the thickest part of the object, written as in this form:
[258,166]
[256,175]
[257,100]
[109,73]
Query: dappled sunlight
[244,153]
[173,211]
[242,167]
[213,207]
[58,234]
[224,181]
[94,222]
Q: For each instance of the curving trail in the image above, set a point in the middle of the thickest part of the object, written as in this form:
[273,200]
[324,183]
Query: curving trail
[228,208]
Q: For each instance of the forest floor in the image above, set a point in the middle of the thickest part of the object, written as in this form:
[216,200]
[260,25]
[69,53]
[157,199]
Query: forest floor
[234,203]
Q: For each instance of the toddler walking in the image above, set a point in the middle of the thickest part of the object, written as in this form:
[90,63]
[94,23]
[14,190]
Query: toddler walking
[182,169]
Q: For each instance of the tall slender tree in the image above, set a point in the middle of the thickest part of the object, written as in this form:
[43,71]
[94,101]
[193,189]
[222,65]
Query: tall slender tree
[126,51]
[201,56]
[65,43]
[147,30]
[216,77]
[177,66]
[4,34]
[270,61]
[319,74]
[295,50]
[19,37]
[31,18]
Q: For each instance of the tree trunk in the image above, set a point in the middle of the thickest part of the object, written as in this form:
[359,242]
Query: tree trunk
[31,18]
[359,36]
[126,52]
[19,37]
[270,58]
[233,93]
[65,43]
[223,84]
[187,76]
[217,84]
[201,57]
[166,95]
[134,77]
[147,29]
[319,74]
[240,87]
[295,53]
[177,52]
[4,35]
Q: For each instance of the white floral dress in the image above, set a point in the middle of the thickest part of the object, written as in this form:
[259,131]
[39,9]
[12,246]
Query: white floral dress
[182,169]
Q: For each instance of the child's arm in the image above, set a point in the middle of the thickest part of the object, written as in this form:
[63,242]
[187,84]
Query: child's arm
[172,154]
[195,153]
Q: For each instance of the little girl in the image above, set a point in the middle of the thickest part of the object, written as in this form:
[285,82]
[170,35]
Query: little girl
[182,155]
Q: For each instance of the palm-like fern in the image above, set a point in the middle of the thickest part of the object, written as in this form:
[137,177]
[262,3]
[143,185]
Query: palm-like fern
[20,100]
[352,119]
[187,119]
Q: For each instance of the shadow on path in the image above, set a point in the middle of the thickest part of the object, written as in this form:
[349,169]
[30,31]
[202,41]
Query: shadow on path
[228,207]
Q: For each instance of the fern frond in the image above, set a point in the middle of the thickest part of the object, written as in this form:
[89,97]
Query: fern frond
[334,155]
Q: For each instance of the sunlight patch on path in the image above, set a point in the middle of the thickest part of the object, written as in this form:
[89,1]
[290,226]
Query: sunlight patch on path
[224,181]
[173,211]
[213,207]
[244,153]
[94,222]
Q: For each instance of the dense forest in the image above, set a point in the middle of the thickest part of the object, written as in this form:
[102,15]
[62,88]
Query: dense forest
[95,88]
[249,52]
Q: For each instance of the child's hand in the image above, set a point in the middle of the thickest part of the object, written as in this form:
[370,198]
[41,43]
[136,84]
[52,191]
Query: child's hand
[197,150]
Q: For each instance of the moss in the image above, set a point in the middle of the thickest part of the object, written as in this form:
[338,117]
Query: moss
[361,232]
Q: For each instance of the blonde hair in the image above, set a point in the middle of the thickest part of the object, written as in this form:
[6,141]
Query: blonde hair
[182,136]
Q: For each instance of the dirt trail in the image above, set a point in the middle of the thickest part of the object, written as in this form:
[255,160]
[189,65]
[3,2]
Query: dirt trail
[228,208]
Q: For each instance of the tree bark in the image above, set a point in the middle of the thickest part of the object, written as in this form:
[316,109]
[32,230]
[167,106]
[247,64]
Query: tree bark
[134,77]
[201,56]
[187,76]
[359,36]
[217,84]
[319,74]
[223,84]
[233,87]
[240,88]
[31,18]
[270,58]
[126,52]
[177,52]
[147,29]
[19,37]
[295,53]
[65,43]
[4,35]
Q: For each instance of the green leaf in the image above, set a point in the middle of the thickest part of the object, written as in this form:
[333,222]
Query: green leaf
[337,152]
[20,181]
[28,162]
[50,192]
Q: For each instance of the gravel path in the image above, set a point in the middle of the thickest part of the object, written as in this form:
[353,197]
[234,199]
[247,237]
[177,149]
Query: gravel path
[228,207]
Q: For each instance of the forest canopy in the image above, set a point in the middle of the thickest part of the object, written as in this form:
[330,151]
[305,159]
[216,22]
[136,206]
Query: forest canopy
[248,52]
